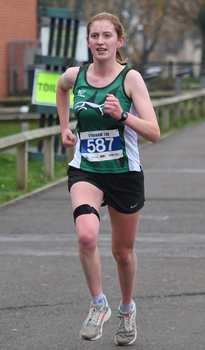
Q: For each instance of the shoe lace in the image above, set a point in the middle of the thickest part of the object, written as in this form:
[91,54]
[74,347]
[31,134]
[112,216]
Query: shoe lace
[94,316]
[125,323]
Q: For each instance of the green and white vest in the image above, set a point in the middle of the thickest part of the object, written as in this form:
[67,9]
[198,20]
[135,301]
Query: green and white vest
[104,144]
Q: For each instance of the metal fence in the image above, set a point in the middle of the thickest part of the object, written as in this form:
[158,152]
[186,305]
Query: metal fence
[21,65]
[170,69]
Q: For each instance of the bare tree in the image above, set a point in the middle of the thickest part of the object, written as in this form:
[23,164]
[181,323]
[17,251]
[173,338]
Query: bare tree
[201,24]
[148,25]
[192,13]
[145,22]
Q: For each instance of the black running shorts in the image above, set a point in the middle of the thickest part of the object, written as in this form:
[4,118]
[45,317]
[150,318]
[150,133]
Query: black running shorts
[123,191]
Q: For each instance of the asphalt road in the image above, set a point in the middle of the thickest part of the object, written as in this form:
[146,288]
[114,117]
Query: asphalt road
[43,296]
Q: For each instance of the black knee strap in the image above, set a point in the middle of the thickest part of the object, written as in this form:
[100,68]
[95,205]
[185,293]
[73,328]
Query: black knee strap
[85,209]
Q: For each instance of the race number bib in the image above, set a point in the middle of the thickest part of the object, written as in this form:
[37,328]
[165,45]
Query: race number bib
[97,146]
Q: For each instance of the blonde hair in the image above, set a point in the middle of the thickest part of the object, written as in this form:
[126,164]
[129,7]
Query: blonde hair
[118,28]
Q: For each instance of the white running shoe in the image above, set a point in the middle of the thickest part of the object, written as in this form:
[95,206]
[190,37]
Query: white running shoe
[127,328]
[92,327]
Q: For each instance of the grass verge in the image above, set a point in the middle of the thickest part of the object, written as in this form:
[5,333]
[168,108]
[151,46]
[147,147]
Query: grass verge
[36,177]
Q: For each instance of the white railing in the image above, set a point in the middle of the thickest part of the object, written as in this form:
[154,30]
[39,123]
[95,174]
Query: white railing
[180,107]
[21,141]
[185,106]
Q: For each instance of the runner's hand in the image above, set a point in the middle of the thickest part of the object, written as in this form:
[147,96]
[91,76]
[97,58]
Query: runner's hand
[112,107]
[69,139]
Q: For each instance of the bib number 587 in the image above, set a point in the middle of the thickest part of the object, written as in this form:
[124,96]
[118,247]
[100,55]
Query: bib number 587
[100,145]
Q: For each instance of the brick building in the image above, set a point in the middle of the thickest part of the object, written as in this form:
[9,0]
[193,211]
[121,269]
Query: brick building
[18,21]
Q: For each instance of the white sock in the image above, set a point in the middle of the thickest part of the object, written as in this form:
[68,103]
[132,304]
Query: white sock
[126,308]
[98,299]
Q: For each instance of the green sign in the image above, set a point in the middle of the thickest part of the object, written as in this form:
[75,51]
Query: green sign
[44,88]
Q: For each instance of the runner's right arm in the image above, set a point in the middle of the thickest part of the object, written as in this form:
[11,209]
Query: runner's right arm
[65,84]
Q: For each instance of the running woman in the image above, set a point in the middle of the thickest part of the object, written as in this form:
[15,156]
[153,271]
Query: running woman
[112,106]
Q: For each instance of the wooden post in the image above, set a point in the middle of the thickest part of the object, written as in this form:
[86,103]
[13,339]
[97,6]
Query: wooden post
[22,166]
[165,119]
[177,114]
[186,113]
[203,106]
[196,109]
[24,126]
[49,158]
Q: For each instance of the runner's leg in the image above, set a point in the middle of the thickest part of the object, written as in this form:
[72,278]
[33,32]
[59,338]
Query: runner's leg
[87,226]
[124,229]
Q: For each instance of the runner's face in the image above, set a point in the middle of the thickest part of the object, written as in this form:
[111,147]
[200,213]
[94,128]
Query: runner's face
[103,40]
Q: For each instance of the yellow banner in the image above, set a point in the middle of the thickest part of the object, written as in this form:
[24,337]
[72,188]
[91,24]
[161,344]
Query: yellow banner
[44,88]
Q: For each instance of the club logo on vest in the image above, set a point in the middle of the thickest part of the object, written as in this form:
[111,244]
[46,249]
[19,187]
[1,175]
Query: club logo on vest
[81,93]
